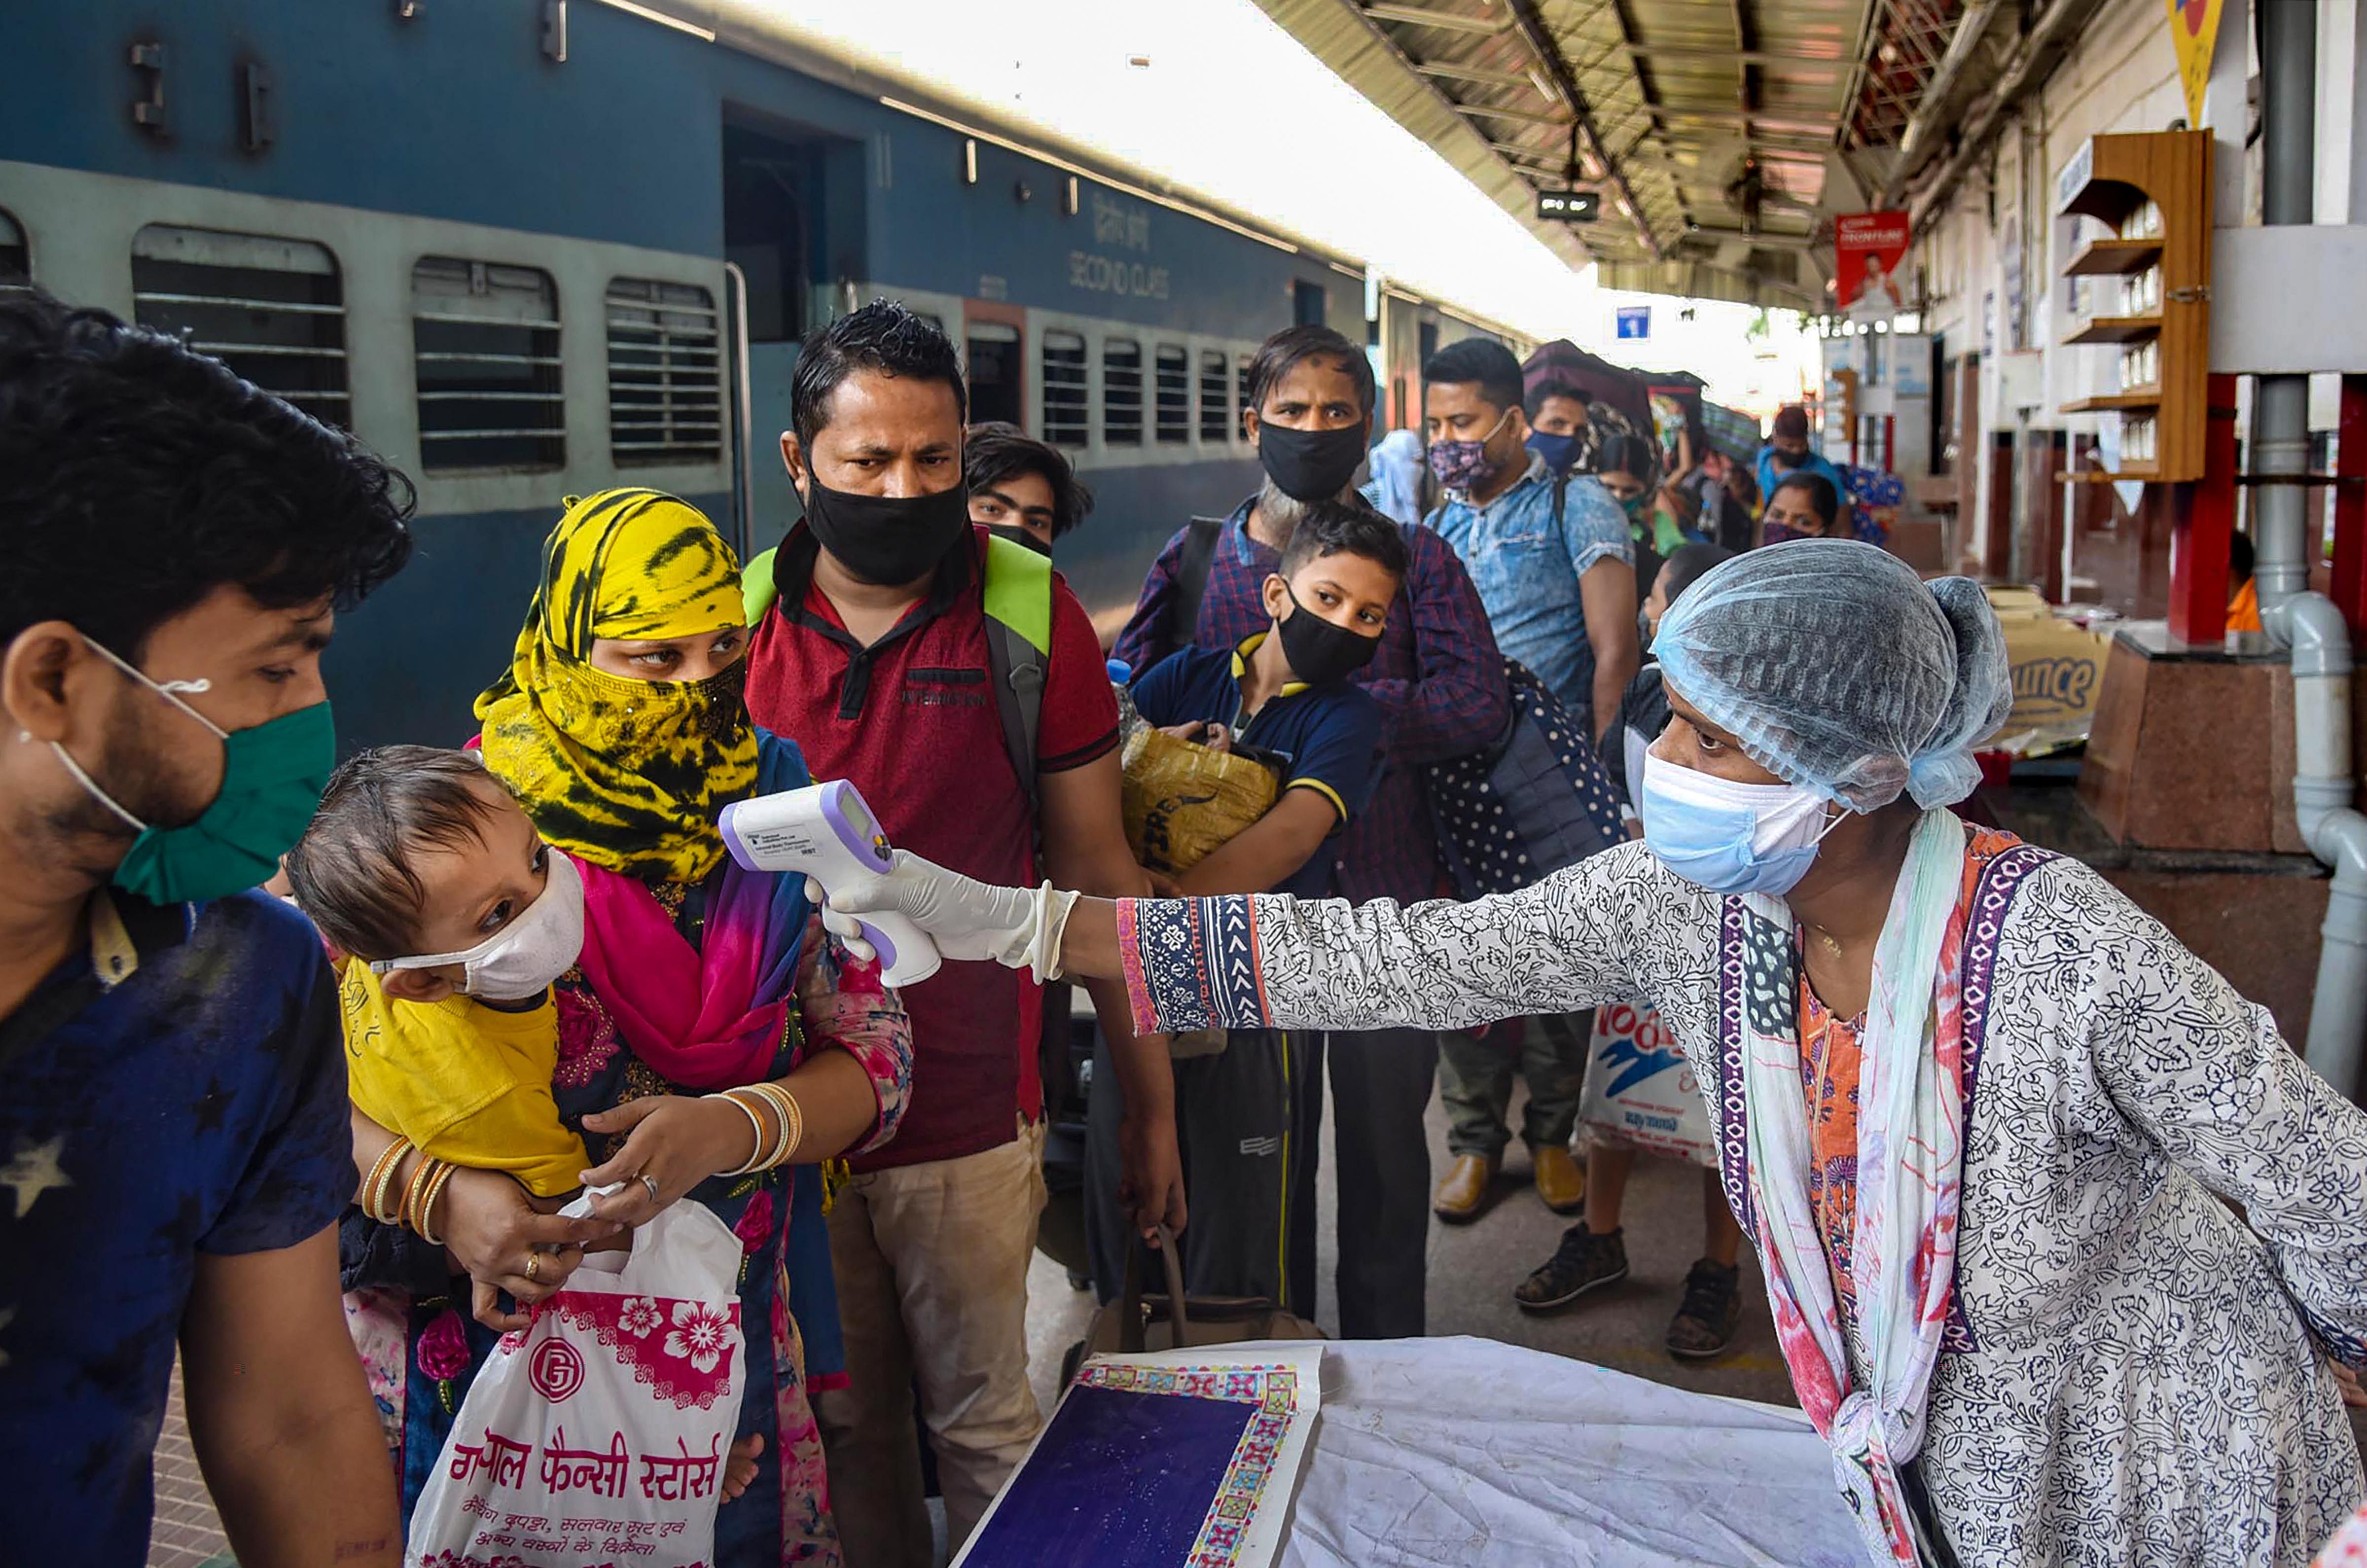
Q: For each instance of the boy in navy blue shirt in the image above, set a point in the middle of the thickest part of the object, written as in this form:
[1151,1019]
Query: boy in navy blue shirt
[1248,1116]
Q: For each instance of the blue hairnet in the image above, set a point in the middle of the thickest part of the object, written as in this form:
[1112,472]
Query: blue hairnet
[1838,668]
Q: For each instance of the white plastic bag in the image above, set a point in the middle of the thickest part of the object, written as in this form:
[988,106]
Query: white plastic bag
[1640,1091]
[599,1434]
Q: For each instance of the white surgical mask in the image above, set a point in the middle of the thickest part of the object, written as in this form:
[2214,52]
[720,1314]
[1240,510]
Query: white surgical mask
[524,957]
[1728,837]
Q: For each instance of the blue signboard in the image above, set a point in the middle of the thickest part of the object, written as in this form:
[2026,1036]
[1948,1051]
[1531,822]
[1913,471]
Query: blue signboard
[1634,320]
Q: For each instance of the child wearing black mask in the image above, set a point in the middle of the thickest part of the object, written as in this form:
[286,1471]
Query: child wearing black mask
[1285,693]
[1248,1118]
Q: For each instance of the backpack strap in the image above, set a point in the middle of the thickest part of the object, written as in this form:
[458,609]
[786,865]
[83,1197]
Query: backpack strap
[1192,563]
[757,589]
[1018,648]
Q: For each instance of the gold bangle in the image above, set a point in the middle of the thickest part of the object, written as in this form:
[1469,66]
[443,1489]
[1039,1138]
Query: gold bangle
[415,1188]
[755,1125]
[779,1146]
[793,1122]
[427,1199]
[380,1177]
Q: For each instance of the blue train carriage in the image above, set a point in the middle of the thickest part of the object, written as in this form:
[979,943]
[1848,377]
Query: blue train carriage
[530,249]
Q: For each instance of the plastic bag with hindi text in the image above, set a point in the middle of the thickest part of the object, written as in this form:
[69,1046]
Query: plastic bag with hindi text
[599,1434]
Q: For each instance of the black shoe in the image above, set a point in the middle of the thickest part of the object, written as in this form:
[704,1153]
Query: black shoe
[1704,1325]
[1583,1262]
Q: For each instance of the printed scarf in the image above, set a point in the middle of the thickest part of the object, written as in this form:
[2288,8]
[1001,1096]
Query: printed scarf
[1909,1179]
[625,774]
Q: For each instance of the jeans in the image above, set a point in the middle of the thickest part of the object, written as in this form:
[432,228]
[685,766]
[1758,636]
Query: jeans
[1475,1079]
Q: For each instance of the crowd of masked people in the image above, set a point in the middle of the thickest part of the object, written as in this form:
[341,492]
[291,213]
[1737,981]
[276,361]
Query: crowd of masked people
[303,1059]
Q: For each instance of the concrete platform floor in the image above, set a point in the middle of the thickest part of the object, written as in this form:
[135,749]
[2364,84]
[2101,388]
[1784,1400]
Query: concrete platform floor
[1474,1267]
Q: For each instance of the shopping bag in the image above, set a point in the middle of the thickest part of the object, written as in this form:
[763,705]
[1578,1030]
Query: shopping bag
[1181,799]
[599,1434]
[1640,1091]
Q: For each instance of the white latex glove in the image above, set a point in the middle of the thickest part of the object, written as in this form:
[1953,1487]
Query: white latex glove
[1018,928]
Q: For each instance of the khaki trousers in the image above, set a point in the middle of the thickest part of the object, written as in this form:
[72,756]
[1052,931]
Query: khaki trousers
[932,1265]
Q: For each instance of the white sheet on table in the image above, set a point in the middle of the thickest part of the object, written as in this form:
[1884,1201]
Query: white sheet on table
[1467,1453]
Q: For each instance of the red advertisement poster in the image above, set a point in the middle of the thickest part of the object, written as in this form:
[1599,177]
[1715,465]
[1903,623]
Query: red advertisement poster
[1869,249]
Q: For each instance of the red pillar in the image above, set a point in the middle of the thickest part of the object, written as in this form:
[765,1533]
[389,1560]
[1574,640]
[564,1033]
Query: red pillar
[2202,524]
[2349,573]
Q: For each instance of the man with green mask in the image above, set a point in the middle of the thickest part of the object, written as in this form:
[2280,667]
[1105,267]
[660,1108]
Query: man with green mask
[175,1149]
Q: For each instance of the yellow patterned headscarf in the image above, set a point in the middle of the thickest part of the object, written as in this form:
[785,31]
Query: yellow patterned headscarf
[626,774]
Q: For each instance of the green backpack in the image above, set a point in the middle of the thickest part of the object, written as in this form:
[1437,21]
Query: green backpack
[1018,640]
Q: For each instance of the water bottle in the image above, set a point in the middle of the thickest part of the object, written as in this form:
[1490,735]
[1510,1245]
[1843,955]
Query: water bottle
[1128,720]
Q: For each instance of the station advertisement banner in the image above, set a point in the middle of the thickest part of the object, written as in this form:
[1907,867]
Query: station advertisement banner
[1869,249]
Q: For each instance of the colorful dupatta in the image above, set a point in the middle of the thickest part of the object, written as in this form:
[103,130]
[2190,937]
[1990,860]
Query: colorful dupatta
[1909,1183]
[712,1016]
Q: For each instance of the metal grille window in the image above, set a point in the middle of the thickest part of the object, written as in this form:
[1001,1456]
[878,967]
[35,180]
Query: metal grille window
[1068,419]
[665,373]
[486,342]
[1172,368]
[1216,398]
[1121,392]
[16,258]
[272,310]
[1241,373]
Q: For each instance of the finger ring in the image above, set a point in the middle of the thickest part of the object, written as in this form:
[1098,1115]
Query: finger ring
[534,1268]
[652,1183]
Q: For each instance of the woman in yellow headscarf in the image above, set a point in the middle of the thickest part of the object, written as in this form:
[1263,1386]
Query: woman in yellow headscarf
[620,728]
[621,756]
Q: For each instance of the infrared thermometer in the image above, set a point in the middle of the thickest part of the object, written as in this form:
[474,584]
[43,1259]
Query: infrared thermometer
[826,832]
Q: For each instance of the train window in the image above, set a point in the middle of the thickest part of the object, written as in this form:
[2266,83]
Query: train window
[1242,372]
[1121,392]
[1068,419]
[665,373]
[1173,370]
[16,258]
[995,372]
[486,341]
[272,310]
[1216,398]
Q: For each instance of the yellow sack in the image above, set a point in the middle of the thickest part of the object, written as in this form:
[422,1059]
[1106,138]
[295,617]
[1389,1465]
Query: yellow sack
[1181,799]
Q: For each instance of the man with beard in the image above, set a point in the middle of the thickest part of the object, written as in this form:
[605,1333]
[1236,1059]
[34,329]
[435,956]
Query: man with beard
[875,657]
[175,1143]
[1440,684]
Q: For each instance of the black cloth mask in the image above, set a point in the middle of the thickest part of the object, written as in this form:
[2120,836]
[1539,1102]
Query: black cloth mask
[886,540]
[1321,653]
[1310,465]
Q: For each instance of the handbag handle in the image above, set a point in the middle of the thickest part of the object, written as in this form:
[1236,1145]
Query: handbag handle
[1176,1318]
[1130,1310]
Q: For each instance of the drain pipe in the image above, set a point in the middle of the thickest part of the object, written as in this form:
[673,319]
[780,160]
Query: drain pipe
[2305,622]
[2335,832]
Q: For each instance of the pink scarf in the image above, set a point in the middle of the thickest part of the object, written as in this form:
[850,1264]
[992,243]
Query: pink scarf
[709,1017]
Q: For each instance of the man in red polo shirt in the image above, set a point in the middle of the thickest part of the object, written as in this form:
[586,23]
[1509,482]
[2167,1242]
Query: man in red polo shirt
[874,658]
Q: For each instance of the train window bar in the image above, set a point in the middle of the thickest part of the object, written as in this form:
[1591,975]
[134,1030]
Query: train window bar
[485,355]
[1068,414]
[665,373]
[271,308]
[1216,398]
[1241,373]
[15,256]
[1121,392]
[1171,369]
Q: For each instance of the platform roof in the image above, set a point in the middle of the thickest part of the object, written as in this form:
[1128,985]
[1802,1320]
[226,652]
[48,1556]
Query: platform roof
[1660,103]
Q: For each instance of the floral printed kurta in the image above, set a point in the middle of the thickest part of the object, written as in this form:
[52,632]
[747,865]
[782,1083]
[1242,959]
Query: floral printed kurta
[421,1349]
[2132,1375]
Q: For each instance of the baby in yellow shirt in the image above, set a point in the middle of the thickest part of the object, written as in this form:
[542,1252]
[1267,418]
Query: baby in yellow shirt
[456,918]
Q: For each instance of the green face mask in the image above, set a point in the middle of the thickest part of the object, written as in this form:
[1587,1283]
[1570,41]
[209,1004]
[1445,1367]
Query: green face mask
[1633,506]
[272,778]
